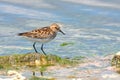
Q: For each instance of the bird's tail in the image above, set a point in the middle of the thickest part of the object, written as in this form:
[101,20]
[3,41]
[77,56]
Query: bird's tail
[20,34]
[23,34]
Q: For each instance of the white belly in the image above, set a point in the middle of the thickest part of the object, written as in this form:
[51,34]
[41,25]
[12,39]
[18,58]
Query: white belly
[39,40]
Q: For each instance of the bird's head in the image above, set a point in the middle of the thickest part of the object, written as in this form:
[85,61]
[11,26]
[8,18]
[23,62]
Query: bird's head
[56,28]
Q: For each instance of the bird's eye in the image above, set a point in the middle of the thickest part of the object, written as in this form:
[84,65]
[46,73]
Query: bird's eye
[57,28]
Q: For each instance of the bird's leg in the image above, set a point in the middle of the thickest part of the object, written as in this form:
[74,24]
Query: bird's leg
[41,73]
[33,73]
[34,47]
[42,49]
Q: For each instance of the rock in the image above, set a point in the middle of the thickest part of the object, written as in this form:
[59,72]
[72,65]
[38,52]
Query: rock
[37,62]
[41,61]
[118,53]
[116,62]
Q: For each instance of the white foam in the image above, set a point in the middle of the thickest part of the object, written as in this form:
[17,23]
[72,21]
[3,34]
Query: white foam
[112,76]
[15,47]
[33,3]
[95,3]
[14,75]
[112,24]
[6,79]
[24,11]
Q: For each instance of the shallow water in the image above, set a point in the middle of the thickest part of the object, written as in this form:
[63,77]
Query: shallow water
[92,25]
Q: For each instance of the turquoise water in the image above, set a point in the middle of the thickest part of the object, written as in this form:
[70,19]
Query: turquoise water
[93,26]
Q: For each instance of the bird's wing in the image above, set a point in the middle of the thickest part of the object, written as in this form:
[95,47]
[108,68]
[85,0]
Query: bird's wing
[41,33]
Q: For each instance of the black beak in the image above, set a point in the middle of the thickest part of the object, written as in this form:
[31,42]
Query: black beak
[62,32]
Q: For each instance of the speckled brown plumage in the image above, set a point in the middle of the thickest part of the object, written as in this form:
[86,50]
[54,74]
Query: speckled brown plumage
[42,35]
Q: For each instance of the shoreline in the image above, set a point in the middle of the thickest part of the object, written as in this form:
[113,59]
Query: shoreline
[93,69]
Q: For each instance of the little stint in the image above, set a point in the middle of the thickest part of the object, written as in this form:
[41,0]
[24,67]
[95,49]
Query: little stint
[42,35]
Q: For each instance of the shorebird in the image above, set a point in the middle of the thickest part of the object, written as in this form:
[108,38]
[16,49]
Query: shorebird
[42,35]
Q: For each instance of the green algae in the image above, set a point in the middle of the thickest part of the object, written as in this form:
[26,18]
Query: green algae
[41,78]
[115,62]
[33,60]
[66,43]
[1,67]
